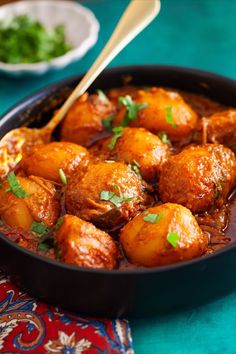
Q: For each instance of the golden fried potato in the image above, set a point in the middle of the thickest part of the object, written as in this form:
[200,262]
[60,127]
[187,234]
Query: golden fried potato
[108,194]
[166,111]
[42,203]
[83,122]
[198,177]
[172,236]
[46,160]
[221,128]
[137,147]
[81,243]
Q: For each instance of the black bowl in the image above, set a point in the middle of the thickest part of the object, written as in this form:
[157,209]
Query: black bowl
[119,293]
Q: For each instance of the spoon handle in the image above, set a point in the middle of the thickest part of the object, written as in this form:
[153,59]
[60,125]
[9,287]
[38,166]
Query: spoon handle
[136,17]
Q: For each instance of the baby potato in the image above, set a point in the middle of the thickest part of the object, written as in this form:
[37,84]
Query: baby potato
[81,243]
[166,112]
[42,203]
[46,160]
[172,236]
[221,128]
[139,148]
[83,122]
[107,194]
[199,177]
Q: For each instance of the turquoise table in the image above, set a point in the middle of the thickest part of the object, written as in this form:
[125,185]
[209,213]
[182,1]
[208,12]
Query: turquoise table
[194,33]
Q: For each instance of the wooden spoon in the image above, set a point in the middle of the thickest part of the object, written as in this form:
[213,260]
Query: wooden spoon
[136,17]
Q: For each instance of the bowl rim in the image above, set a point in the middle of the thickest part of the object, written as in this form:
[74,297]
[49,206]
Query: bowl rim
[114,272]
[74,53]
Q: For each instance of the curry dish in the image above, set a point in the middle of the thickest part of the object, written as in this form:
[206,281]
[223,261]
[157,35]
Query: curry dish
[139,177]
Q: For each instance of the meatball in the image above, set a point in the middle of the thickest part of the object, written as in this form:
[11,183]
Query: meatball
[83,122]
[141,149]
[41,203]
[46,160]
[164,234]
[166,111]
[221,128]
[80,242]
[108,194]
[199,177]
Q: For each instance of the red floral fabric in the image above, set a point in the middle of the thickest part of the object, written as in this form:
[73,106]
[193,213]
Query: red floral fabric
[29,326]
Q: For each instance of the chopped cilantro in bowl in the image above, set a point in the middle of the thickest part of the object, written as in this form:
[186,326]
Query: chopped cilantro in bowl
[25,40]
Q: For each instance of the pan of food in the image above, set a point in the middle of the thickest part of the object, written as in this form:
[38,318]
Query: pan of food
[130,209]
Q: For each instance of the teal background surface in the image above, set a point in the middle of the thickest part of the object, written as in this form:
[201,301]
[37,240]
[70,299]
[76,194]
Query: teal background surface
[193,33]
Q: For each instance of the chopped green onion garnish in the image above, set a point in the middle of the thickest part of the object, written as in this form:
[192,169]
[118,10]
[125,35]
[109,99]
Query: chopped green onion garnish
[62,176]
[107,123]
[173,238]
[59,222]
[15,186]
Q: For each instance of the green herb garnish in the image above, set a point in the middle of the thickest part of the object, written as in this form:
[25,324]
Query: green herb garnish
[173,238]
[44,246]
[25,40]
[218,188]
[113,198]
[118,131]
[39,228]
[110,197]
[59,223]
[62,176]
[164,138]
[132,109]
[15,186]
[102,96]
[107,123]
[169,117]
[152,218]
[135,167]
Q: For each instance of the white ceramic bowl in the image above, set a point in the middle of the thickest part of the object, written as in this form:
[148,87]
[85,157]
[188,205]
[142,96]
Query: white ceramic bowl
[81,31]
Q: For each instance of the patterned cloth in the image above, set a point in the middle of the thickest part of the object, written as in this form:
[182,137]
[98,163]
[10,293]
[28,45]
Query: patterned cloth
[28,326]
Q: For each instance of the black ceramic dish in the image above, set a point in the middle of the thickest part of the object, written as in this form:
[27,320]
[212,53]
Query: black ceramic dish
[133,292]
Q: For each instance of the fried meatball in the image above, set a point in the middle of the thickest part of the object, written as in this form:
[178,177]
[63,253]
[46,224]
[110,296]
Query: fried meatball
[42,203]
[108,194]
[83,122]
[166,111]
[139,148]
[221,128]
[198,177]
[46,160]
[174,236]
[81,243]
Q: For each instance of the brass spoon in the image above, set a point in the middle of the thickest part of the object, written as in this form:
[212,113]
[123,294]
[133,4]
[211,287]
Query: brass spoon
[137,16]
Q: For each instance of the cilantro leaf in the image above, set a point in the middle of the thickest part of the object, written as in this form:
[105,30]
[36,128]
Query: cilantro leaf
[169,117]
[118,131]
[110,197]
[113,198]
[62,176]
[173,238]
[132,109]
[107,123]
[152,218]
[39,228]
[44,246]
[25,40]
[15,187]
